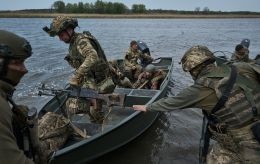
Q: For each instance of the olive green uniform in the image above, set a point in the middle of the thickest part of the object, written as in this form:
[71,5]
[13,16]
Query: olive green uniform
[131,58]
[9,150]
[92,71]
[237,145]
[237,58]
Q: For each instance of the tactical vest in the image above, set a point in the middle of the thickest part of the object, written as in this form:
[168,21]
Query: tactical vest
[21,131]
[243,105]
[100,71]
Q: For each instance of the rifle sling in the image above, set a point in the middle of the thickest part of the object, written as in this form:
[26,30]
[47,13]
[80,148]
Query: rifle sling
[211,119]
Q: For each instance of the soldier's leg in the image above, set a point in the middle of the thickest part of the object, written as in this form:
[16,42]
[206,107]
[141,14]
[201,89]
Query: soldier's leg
[126,83]
[220,155]
[77,105]
[128,73]
[96,112]
[138,71]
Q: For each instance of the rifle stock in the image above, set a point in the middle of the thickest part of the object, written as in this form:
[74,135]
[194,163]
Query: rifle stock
[113,99]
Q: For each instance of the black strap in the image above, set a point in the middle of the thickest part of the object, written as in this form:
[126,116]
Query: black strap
[226,92]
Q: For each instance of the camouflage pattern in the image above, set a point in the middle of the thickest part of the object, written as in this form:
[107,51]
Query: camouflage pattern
[14,46]
[244,57]
[61,23]
[151,80]
[220,155]
[195,56]
[130,61]
[54,130]
[118,77]
[233,131]
[92,71]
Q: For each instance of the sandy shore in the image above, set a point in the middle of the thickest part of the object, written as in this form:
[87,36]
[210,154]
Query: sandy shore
[125,16]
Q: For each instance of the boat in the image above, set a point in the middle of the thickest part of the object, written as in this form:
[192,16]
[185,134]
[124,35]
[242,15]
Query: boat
[121,125]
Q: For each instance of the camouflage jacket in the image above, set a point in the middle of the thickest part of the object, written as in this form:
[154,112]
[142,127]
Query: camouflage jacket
[9,150]
[152,82]
[132,56]
[198,96]
[88,58]
[237,58]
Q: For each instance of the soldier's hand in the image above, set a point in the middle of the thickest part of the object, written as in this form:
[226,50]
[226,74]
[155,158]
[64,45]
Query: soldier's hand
[133,67]
[140,108]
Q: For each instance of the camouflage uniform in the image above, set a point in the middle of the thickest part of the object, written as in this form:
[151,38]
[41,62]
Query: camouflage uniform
[92,69]
[236,142]
[130,61]
[152,82]
[118,77]
[244,57]
[13,118]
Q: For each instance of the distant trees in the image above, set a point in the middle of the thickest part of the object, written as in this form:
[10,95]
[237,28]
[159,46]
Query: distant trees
[59,6]
[138,8]
[99,7]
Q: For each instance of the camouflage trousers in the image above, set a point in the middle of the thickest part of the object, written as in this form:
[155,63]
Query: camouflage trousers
[237,146]
[220,155]
[133,74]
[77,105]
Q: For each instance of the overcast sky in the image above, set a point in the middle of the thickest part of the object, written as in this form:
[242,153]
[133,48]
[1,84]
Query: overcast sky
[215,5]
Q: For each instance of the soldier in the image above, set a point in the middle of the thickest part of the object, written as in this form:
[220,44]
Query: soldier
[88,59]
[118,77]
[132,68]
[230,100]
[14,50]
[241,54]
[150,78]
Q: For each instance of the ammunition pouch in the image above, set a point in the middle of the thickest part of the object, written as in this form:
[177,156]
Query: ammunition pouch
[101,71]
[106,86]
[225,140]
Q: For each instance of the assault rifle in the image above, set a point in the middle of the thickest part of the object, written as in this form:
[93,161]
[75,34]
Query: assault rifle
[113,99]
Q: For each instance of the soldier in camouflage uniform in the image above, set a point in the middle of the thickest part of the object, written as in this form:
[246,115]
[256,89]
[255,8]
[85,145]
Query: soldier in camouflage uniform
[132,68]
[150,78]
[88,59]
[118,76]
[236,126]
[241,54]
[14,50]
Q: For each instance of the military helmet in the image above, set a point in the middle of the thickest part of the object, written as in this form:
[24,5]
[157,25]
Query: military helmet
[59,24]
[149,68]
[195,56]
[13,46]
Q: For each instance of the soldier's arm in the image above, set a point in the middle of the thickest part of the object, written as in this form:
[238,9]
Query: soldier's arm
[85,48]
[194,96]
[9,151]
[155,80]
[128,59]
[145,56]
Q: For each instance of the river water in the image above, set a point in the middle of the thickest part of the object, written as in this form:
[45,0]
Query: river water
[174,137]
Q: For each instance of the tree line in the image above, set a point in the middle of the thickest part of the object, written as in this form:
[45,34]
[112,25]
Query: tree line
[99,7]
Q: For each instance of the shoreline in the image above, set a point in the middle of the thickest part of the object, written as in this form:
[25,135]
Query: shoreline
[128,16]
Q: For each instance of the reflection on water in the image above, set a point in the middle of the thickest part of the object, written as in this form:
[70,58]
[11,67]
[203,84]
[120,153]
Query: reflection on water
[174,137]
